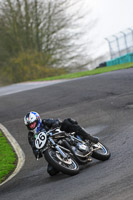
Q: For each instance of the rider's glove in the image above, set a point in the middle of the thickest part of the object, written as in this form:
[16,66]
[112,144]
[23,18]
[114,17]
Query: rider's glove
[37,153]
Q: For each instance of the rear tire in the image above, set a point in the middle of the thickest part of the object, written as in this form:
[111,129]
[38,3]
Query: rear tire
[102,154]
[69,166]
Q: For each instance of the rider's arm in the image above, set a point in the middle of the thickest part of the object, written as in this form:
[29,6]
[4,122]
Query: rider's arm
[31,140]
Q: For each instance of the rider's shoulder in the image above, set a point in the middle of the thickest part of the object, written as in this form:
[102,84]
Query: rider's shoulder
[30,134]
[47,120]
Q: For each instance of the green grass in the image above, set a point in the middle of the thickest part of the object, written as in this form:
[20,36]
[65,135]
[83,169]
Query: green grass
[89,72]
[7,158]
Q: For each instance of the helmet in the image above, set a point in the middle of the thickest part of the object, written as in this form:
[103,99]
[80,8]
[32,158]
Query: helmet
[33,121]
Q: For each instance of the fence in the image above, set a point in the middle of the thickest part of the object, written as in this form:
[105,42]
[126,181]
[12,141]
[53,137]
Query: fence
[121,43]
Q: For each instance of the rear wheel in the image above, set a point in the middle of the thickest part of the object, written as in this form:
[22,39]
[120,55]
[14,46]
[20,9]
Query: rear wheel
[101,152]
[67,166]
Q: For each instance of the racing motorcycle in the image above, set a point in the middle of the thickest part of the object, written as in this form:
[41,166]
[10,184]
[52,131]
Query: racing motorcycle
[67,151]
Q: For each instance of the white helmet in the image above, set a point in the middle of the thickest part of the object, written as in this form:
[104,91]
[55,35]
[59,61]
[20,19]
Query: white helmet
[33,121]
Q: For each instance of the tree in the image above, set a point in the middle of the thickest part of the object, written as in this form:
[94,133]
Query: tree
[43,26]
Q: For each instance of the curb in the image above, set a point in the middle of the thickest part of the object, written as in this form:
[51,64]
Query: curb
[19,152]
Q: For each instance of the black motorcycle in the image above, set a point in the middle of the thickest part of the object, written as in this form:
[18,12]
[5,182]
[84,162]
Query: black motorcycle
[67,151]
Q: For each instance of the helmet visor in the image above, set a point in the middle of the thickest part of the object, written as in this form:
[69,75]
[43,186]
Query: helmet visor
[32,125]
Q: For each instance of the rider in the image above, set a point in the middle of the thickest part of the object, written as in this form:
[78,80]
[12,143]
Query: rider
[34,124]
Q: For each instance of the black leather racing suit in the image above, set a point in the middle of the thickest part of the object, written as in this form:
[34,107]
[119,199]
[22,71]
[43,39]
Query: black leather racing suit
[68,125]
[47,124]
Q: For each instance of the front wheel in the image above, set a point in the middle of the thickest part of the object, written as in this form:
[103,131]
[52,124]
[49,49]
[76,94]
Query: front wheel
[100,152]
[67,166]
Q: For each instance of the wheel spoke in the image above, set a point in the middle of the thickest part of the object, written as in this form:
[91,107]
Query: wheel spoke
[100,149]
[62,162]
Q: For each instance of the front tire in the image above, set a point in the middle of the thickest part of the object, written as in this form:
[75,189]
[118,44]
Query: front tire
[68,166]
[101,153]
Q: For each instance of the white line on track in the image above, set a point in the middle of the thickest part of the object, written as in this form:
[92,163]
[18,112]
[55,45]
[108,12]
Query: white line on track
[19,152]
[20,87]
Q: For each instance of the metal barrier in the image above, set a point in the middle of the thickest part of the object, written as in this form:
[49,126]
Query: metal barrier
[121,44]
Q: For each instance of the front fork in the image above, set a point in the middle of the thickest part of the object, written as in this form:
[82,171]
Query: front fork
[58,148]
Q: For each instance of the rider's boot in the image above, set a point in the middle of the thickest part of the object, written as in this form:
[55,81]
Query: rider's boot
[51,170]
[89,137]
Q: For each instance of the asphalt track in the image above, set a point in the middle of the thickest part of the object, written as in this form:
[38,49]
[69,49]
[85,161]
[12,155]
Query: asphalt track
[104,105]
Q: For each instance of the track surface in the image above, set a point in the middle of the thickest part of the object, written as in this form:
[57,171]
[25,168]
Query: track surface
[101,103]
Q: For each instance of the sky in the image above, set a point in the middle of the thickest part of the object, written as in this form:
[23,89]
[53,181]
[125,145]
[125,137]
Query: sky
[112,17]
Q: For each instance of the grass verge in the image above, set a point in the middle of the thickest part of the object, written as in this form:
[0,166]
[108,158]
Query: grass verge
[89,72]
[7,158]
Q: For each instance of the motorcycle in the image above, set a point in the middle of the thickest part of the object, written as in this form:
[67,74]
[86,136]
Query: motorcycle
[67,151]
